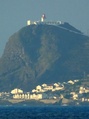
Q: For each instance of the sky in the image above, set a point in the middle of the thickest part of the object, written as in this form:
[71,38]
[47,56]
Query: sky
[15,13]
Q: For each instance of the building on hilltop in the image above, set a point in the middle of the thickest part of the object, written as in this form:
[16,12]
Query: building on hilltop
[43,21]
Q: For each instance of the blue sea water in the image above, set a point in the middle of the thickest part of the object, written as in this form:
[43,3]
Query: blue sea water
[44,112]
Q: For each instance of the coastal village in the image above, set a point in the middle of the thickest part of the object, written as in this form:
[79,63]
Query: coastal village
[57,93]
[72,92]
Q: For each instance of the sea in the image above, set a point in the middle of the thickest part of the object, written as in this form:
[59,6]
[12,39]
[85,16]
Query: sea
[44,112]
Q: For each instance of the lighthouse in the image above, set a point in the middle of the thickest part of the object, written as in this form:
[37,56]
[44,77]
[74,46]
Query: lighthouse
[43,18]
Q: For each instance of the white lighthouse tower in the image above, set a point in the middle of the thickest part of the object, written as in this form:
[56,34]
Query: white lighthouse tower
[43,18]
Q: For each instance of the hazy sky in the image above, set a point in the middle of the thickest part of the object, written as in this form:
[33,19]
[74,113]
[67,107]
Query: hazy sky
[15,13]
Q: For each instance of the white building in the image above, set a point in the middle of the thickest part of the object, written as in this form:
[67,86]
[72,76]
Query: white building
[58,88]
[48,88]
[71,82]
[36,96]
[86,90]
[29,22]
[17,91]
[76,81]
[56,84]
[34,91]
[42,21]
[85,99]
[38,88]
[75,96]
[44,85]
[81,90]
[25,96]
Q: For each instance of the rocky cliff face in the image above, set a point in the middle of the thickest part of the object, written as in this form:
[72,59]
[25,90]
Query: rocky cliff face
[43,54]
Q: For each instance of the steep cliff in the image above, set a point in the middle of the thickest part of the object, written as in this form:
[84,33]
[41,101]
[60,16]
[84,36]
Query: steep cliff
[43,54]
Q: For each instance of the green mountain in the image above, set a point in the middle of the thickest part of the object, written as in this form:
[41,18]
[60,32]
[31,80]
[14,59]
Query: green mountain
[39,54]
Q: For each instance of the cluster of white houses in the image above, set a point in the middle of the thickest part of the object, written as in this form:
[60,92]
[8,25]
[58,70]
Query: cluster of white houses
[83,90]
[41,92]
[38,93]
[19,94]
[46,87]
